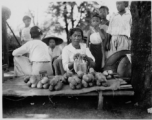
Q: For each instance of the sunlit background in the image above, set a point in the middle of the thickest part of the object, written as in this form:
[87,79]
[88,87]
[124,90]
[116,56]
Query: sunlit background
[19,8]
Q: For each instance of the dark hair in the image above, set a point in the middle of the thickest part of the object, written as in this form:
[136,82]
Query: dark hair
[35,32]
[96,15]
[26,17]
[104,7]
[126,3]
[74,30]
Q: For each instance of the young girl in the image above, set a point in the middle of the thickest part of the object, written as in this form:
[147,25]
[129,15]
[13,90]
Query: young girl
[55,52]
[96,39]
[103,12]
[53,42]
[119,28]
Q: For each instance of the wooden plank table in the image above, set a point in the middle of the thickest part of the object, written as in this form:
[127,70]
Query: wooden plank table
[17,87]
[124,90]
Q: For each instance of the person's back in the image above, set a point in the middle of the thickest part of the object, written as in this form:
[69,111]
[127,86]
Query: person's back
[39,59]
[38,50]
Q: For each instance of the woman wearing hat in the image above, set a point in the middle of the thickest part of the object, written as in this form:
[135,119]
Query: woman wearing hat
[53,42]
[55,52]
[39,58]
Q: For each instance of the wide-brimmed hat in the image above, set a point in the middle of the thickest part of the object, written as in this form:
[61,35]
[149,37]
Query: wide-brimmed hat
[58,40]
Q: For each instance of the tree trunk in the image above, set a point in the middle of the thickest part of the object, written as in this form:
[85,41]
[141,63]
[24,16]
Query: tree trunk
[141,51]
[5,50]
[72,20]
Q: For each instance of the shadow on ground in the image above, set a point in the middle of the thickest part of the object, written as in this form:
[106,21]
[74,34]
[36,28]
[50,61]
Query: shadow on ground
[71,108]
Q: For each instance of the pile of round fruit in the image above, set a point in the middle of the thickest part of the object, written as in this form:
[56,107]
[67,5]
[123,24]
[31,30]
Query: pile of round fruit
[54,83]
[109,74]
[75,81]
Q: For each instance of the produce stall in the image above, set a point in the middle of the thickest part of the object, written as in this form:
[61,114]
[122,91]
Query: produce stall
[82,81]
[17,87]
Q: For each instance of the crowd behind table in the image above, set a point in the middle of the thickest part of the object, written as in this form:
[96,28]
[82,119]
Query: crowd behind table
[104,39]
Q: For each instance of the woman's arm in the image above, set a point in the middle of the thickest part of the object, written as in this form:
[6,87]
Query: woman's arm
[101,33]
[107,42]
[103,55]
[89,54]
[88,38]
[67,65]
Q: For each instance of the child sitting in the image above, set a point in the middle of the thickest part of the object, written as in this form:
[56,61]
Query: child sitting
[55,52]
[96,39]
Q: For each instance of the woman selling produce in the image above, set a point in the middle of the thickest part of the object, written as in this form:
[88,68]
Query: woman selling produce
[74,48]
[39,58]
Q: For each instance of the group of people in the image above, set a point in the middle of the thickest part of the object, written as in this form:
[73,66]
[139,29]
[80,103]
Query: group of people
[103,40]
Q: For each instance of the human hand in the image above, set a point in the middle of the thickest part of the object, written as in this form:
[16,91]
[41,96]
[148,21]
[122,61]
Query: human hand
[71,65]
[76,56]
[103,63]
[98,28]
[85,57]
[107,46]
[92,29]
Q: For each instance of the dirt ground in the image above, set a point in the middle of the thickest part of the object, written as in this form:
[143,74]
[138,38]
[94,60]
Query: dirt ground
[72,108]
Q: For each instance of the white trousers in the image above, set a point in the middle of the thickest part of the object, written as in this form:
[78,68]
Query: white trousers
[118,43]
[22,66]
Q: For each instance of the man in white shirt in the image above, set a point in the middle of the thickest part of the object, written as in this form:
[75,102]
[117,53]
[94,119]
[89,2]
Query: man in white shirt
[25,32]
[39,58]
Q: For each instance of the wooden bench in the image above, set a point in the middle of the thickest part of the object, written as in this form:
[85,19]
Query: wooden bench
[125,90]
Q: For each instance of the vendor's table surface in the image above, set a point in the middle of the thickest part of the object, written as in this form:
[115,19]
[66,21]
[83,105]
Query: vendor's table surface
[17,87]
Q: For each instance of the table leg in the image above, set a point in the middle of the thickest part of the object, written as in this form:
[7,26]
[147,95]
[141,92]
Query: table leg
[100,101]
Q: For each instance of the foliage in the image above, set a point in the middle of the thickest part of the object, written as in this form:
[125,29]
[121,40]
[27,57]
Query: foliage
[65,11]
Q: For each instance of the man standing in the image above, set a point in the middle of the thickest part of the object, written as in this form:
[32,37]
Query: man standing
[25,32]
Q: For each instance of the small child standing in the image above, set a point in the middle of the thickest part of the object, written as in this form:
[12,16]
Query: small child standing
[96,39]
[120,28]
[25,32]
[103,12]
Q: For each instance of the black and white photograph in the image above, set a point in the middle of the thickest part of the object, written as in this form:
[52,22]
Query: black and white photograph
[76,59]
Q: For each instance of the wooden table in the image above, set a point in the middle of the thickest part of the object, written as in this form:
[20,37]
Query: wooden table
[17,87]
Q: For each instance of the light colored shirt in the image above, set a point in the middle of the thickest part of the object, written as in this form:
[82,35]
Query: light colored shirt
[95,38]
[120,24]
[69,51]
[55,52]
[38,51]
[25,34]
